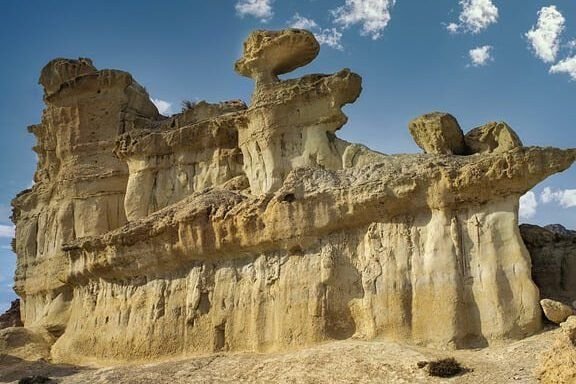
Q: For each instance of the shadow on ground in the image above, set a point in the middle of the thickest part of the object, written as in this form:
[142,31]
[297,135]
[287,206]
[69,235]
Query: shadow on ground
[13,369]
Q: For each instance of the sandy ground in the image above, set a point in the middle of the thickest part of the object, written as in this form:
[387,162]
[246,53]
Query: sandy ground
[349,361]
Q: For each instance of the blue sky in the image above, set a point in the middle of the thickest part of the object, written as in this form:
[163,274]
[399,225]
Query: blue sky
[481,60]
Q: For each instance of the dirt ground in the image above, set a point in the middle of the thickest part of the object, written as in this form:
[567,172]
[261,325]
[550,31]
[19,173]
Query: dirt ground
[349,361]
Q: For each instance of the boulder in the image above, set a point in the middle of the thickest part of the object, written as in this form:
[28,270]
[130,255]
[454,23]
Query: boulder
[492,137]
[26,343]
[555,311]
[268,54]
[438,133]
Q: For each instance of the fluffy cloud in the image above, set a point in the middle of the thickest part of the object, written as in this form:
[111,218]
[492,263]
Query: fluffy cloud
[329,36]
[164,107]
[565,66]
[6,231]
[374,15]
[544,37]
[564,197]
[476,16]
[261,9]
[528,205]
[301,22]
[481,56]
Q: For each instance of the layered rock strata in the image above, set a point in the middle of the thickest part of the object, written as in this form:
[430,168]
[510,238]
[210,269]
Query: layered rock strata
[258,229]
[79,184]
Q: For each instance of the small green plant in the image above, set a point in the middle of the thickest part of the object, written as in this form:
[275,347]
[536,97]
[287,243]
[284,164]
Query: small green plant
[445,368]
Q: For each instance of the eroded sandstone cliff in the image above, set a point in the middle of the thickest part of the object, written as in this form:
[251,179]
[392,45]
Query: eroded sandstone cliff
[255,228]
[553,253]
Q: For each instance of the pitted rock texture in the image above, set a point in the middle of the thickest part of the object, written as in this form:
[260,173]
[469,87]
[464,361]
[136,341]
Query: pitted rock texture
[227,228]
[492,137]
[268,54]
[438,133]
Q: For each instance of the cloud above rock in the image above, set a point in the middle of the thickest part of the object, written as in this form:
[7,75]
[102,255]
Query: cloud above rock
[372,15]
[330,37]
[544,37]
[260,9]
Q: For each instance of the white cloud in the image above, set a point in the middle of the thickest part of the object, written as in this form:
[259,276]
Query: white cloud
[261,9]
[6,231]
[329,36]
[476,16]
[301,22]
[481,56]
[452,27]
[565,66]
[544,37]
[374,15]
[528,205]
[564,197]
[164,107]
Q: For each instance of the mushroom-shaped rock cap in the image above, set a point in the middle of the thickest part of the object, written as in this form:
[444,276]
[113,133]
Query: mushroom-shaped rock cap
[268,54]
[59,71]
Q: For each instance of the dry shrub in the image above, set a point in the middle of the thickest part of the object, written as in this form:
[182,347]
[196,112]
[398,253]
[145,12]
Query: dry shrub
[445,368]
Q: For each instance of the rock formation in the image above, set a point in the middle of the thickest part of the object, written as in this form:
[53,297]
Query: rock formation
[553,253]
[257,229]
[558,364]
[556,311]
[11,318]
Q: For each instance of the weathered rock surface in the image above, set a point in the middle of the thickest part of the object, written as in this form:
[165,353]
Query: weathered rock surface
[258,229]
[492,137]
[553,253]
[79,184]
[26,343]
[558,364]
[268,54]
[190,152]
[345,362]
[438,133]
[11,318]
[555,311]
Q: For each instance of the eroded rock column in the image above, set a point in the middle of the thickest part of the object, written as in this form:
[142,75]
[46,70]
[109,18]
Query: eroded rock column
[79,183]
[291,123]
